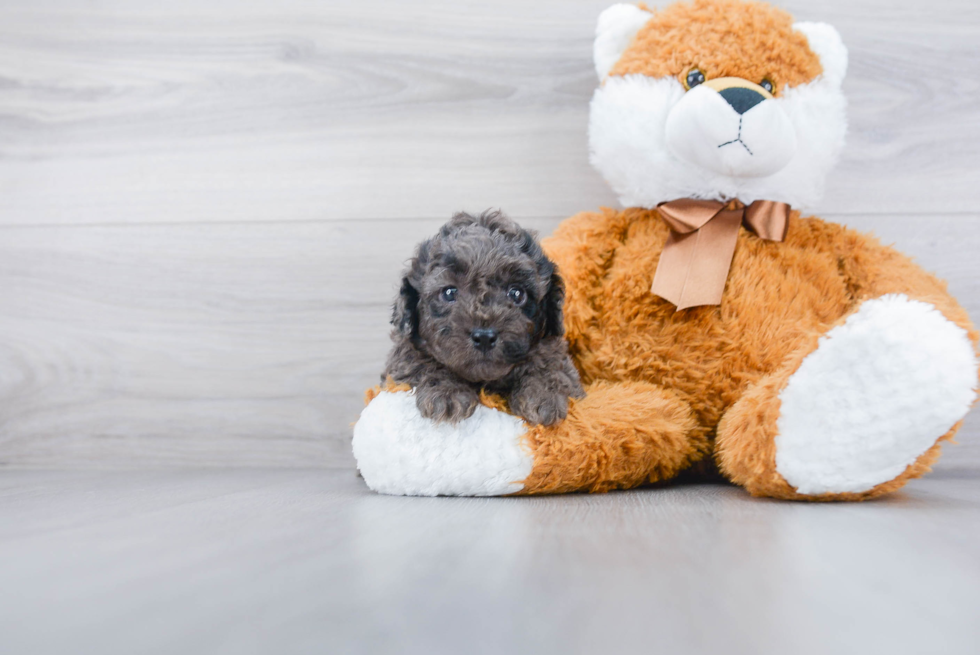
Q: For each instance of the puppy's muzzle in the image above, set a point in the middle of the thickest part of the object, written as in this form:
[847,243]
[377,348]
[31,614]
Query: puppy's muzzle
[484,339]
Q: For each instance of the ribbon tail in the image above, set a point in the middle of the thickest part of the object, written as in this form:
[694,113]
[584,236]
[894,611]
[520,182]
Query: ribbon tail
[693,267]
[768,219]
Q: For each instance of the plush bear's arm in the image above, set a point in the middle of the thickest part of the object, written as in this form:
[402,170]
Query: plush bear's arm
[619,436]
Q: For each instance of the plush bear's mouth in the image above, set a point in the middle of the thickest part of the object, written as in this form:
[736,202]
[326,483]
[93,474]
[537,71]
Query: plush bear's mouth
[706,129]
[737,141]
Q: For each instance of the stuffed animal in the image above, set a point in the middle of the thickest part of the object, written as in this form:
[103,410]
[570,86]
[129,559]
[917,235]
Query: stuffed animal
[714,326]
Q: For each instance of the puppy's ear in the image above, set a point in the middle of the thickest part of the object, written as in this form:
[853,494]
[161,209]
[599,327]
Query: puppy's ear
[405,314]
[551,307]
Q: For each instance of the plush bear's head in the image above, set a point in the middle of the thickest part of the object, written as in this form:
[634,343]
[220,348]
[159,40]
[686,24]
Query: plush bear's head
[716,99]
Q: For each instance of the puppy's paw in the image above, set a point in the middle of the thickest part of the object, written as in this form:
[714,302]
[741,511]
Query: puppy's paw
[538,405]
[451,403]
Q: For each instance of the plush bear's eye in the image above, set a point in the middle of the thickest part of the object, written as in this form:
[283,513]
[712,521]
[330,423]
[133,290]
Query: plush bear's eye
[767,84]
[694,77]
[449,294]
[517,295]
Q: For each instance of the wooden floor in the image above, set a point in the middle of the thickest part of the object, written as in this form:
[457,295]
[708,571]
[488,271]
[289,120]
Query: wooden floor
[309,561]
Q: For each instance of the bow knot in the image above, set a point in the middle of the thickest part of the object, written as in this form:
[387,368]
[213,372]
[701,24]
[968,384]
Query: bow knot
[695,260]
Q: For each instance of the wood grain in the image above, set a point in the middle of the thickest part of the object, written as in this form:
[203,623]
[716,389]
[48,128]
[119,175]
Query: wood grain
[290,111]
[250,345]
[300,561]
[204,207]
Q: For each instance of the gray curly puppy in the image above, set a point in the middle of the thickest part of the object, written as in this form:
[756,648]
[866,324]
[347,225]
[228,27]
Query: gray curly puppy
[480,307]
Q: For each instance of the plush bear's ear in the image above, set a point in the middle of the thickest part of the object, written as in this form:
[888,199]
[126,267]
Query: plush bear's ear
[405,314]
[615,30]
[826,43]
[551,307]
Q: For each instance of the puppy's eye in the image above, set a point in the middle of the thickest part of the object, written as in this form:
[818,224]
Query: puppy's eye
[767,84]
[517,295]
[449,294]
[694,77]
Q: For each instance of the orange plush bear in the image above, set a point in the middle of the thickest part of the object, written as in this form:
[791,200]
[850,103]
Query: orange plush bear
[714,326]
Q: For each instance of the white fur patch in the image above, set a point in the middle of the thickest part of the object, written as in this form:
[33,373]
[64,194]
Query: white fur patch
[826,43]
[401,453]
[627,144]
[705,130]
[614,32]
[877,393]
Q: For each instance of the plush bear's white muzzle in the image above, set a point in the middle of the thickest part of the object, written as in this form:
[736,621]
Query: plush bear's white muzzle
[737,136]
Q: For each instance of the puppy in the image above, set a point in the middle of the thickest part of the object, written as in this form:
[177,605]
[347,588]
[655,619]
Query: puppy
[480,307]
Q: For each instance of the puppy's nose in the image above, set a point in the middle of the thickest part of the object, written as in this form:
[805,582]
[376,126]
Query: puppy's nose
[740,98]
[484,338]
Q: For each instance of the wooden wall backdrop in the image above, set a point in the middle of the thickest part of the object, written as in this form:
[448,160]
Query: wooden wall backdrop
[204,206]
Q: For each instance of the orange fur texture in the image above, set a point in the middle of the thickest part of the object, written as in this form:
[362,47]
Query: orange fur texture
[683,36]
[698,389]
[618,436]
[668,390]
[725,364]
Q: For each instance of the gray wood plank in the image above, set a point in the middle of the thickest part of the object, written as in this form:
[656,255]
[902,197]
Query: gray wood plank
[303,561]
[289,111]
[244,345]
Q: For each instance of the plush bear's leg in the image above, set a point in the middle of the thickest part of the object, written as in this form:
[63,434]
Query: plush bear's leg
[619,436]
[400,452]
[856,413]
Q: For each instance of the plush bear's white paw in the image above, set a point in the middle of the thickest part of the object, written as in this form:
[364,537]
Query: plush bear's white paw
[877,392]
[401,453]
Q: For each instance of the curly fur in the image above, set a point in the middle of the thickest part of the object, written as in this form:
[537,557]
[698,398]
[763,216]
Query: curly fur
[484,259]
[726,365]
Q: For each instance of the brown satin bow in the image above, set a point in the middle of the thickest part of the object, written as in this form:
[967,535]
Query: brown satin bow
[695,260]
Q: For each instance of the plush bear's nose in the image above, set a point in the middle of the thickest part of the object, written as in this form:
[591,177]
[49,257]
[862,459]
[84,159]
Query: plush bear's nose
[484,338]
[740,98]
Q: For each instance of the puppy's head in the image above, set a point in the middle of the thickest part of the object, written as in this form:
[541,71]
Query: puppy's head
[479,295]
